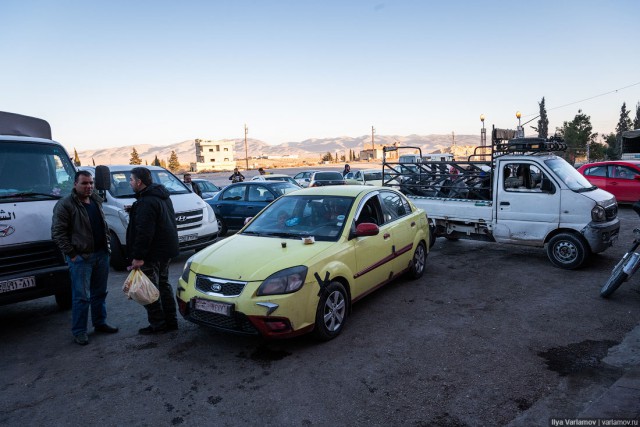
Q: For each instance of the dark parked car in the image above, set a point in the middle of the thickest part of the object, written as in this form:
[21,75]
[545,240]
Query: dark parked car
[619,177]
[320,179]
[243,200]
[207,188]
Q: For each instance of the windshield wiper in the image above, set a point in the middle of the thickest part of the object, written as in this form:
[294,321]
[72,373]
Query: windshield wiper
[30,194]
[584,189]
[284,235]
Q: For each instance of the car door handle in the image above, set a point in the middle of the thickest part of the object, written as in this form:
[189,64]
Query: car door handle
[505,204]
[385,236]
[613,183]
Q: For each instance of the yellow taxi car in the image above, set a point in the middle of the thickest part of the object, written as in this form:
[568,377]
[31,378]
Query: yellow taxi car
[300,263]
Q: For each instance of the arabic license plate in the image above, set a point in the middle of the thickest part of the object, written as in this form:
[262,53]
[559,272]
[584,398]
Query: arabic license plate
[213,306]
[187,238]
[19,283]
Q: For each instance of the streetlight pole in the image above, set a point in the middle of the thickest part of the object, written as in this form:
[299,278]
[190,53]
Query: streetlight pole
[246,153]
[520,132]
[483,132]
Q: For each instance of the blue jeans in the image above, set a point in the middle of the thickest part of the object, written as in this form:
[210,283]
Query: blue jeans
[88,289]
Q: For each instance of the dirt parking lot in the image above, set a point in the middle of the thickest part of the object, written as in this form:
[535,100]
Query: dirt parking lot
[483,338]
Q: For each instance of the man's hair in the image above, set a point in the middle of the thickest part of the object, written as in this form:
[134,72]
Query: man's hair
[83,173]
[186,175]
[143,174]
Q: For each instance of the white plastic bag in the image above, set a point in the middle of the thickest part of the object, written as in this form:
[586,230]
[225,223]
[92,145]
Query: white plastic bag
[140,288]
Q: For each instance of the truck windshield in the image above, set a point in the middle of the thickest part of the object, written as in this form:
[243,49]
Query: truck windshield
[569,175]
[34,170]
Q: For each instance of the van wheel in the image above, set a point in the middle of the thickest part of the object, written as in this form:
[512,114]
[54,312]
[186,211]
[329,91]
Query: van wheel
[222,227]
[567,251]
[118,260]
[432,236]
[63,299]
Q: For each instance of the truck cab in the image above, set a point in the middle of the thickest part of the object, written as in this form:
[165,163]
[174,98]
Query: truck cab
[522,193]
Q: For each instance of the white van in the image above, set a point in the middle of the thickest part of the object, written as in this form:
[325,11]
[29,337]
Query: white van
[35,172]
[197,224]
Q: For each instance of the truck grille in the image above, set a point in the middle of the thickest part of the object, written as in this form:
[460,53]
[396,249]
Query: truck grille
[189,219]
[16,259]
[221,287]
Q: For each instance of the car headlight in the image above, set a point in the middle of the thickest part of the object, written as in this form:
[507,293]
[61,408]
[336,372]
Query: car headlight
[186,270]
[284,281]
[598,214]
[210,213]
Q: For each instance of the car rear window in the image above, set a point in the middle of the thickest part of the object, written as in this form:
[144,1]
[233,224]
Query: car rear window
[328,176]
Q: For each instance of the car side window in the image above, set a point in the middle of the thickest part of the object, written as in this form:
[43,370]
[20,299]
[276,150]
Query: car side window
[522,177]
[235,192]
[596,171]
[258,193]
[393,206]
[371,212]
[621,172]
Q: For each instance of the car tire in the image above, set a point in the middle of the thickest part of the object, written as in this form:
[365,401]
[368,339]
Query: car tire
[222,227]
[567,251]
[331,314]
[117,259]
[432,236]
[418,262]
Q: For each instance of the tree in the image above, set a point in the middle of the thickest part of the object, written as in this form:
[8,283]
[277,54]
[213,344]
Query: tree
[76,159]
[597,151]
[624,124]
[577,134]
[174,164]
[636,121]
[612,152]
[543,121]
[94,161]
[163,163]
[156,162]
[135,159]
[327,157]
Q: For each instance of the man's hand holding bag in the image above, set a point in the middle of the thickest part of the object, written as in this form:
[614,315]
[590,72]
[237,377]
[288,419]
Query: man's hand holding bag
[139,288]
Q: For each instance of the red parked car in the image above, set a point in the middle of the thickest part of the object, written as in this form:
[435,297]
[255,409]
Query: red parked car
[619,177]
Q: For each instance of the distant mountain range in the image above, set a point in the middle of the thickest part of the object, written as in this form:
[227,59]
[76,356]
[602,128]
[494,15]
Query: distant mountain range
[310,148]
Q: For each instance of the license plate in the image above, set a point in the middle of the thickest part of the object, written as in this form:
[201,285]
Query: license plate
[187,238]
[15,284]
[213,306]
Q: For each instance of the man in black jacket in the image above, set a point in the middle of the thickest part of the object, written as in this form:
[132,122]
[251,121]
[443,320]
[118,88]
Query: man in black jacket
[152,240]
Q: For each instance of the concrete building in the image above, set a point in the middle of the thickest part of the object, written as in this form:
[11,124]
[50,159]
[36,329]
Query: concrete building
[214,156]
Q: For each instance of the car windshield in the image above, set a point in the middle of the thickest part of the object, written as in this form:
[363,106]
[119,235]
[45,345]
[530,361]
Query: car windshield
[294,217]
[569,175]
[31,171]
[284,187]
[373,176]
[120,187]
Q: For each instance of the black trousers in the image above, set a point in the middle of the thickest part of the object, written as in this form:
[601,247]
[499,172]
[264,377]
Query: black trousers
[161,313]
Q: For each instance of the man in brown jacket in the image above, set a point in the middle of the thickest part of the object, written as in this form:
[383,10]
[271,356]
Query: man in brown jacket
[80,231]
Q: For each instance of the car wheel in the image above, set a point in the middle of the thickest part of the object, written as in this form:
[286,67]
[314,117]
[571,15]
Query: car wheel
[332,312]
[222,227]
[419,261]
[118,260]
[567,251]
[432,236]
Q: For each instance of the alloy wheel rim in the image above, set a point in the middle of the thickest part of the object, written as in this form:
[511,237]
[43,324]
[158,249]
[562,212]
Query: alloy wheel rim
[334,309]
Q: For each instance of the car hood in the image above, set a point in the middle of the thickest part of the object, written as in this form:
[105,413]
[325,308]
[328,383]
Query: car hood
[252,258]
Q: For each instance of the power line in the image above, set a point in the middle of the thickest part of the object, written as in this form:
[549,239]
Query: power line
[588,99]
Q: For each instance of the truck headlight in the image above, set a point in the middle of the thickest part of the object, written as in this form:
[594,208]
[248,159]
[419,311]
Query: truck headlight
[284,281]
[598,214]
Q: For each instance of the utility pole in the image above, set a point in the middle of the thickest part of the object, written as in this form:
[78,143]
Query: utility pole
[246,153]
[373,147]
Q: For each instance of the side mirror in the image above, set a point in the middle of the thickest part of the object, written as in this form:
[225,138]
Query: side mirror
[102,178]
[546,186]
[367,229]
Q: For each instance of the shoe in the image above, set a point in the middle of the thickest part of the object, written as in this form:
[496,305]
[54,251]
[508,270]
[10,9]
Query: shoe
[171,327]
[106,328]
[150,330]
[81,339]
